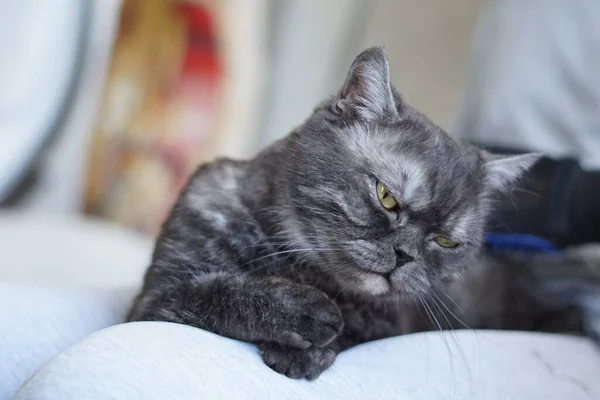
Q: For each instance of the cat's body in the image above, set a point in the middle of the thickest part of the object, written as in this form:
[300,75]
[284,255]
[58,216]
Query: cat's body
[235,231]
[303,251]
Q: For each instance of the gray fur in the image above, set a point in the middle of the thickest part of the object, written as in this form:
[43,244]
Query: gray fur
[292,249]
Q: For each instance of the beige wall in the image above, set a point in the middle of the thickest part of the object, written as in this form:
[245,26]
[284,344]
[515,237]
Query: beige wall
[428,43]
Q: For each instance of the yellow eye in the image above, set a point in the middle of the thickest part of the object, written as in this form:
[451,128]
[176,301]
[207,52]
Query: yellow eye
[445,242]
[387,200]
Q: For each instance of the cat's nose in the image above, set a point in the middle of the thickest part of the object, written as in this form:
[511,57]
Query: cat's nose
[402,258]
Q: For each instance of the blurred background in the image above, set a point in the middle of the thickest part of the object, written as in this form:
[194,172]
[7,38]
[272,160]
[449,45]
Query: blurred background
[141,91]
[106,106]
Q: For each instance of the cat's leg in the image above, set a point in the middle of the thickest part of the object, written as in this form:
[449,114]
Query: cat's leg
[298,363]
[305,363]
[247,308]
[361,324]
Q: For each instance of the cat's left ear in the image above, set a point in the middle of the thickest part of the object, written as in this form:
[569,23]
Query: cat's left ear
[367,89]
[502,171]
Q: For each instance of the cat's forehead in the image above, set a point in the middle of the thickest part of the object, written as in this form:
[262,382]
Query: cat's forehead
[416,166]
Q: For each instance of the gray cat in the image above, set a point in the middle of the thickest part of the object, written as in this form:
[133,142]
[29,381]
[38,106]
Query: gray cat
[330,237]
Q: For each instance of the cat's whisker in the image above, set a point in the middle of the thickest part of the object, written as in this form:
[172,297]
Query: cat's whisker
[450,311]
[454,336]
[459,320]
[423,317]
[460,309]
[266,244]
[433,319]
[285,252]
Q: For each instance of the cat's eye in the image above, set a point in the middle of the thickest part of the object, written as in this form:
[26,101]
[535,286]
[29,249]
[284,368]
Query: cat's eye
[385,197]
[445,242]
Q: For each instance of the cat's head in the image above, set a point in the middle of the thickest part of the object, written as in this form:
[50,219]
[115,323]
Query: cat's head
[387,201]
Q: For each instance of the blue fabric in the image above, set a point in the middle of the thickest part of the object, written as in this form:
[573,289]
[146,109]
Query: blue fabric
[522,243]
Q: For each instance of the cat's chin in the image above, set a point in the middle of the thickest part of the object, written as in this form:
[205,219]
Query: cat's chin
[403,282]
[399,282]
[373,284]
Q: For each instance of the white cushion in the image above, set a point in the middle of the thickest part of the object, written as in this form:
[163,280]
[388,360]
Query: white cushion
[157,360]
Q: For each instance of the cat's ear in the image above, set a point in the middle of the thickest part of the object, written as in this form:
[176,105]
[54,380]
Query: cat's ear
[502,171]
[367,89]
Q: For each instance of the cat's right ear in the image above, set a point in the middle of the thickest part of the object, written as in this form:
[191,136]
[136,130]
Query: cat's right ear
[502,171]
[368,90]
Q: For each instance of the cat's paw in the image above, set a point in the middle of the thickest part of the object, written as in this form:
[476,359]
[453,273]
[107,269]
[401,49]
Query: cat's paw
[297,363]
[305,317]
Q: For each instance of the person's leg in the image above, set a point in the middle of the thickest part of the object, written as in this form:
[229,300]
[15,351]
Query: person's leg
[36,323]
[158,360]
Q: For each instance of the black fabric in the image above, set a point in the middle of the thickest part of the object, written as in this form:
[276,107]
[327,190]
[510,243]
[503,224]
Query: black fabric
[585,208]
[556,200]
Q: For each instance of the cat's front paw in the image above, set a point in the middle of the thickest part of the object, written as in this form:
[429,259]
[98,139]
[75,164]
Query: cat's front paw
[305,317]
[297,363]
